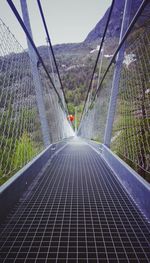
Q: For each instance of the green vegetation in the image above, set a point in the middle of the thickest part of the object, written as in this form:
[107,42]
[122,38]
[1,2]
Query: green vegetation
[17,156]
[20,140]
[24,152]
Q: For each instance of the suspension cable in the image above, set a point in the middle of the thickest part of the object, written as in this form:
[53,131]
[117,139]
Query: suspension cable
[132,23]
[12,6]
[98,55]
[51,47]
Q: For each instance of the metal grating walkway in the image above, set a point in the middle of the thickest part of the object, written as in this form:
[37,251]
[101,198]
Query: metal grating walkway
[76,212]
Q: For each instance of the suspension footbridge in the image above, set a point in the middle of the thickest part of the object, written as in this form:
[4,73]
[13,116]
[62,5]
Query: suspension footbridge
[83,197]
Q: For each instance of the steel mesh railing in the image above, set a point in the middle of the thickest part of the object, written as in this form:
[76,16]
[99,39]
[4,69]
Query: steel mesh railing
[92,125]
[131,127]
[131,130]
[20,133]
[94,118]
[20,128]
[59,127]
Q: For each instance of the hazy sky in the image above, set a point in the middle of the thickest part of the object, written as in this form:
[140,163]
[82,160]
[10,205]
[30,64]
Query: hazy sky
[68,21]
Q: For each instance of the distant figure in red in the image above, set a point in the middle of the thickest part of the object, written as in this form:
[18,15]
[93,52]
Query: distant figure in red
[70,118]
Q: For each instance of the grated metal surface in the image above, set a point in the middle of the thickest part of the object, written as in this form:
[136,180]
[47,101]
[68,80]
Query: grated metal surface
[76,212]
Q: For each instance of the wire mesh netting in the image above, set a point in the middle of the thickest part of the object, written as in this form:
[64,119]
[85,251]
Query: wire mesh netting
[94,118]
[20,133]
[59,127]
[92,125]
[20,128]
[131,137]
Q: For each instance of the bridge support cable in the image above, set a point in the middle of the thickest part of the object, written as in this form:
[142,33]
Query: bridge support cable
[133,22]
[51,62]
[51,48]
[12,6]
[97,58]
[36,77]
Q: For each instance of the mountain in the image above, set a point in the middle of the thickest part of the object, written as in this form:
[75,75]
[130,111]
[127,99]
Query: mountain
[115,21]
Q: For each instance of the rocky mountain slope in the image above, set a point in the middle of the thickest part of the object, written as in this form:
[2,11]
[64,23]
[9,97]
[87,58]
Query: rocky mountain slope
[115,21]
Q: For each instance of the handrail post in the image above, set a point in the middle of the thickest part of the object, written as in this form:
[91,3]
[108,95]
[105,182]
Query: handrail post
[116,76]
[36,77]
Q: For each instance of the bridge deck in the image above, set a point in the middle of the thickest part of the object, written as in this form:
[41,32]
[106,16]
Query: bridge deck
[76,212]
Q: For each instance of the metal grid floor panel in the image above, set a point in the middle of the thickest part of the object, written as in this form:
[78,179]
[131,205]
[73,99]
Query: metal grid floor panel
[77,212]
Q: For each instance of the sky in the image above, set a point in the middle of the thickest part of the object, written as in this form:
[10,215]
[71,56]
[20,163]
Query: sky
[68,21]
